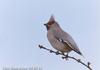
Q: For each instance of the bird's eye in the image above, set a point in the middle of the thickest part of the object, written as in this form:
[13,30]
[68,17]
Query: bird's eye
[51,22]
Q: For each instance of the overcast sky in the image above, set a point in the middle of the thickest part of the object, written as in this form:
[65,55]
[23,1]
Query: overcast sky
[22,30]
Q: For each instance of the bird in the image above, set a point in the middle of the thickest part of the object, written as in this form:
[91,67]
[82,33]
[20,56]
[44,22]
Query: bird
[59,39]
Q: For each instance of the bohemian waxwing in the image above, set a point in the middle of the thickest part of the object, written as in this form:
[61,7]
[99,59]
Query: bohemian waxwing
[59,39]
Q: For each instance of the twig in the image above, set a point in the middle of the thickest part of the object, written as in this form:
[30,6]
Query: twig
[64,56]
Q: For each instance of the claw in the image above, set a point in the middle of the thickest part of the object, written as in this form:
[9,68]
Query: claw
[64,57]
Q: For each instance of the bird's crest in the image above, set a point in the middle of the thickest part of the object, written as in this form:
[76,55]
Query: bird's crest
[51,21]
[52,18]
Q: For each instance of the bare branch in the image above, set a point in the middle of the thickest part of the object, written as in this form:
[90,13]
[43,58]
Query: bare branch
[64,56]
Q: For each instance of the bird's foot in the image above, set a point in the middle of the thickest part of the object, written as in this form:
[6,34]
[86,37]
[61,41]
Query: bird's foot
[65,56]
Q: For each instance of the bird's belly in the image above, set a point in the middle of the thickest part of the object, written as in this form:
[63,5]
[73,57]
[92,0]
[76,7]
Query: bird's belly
[60,46]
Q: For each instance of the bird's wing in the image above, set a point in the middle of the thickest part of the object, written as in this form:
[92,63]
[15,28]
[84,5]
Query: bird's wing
[66,38]
[75,48]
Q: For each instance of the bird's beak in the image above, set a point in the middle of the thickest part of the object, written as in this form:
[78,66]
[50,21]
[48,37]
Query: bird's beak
[45,24]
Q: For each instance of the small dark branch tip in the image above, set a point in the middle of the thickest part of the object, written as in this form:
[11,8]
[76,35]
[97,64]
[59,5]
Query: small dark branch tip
[79,60]
[57,53]
[51,51]
[89,63]
[40,47]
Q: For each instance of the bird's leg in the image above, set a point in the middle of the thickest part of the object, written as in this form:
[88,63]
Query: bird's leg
[67,55]
[62,53]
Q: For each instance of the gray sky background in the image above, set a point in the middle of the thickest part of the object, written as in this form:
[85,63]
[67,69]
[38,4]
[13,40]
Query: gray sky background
[22,30]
